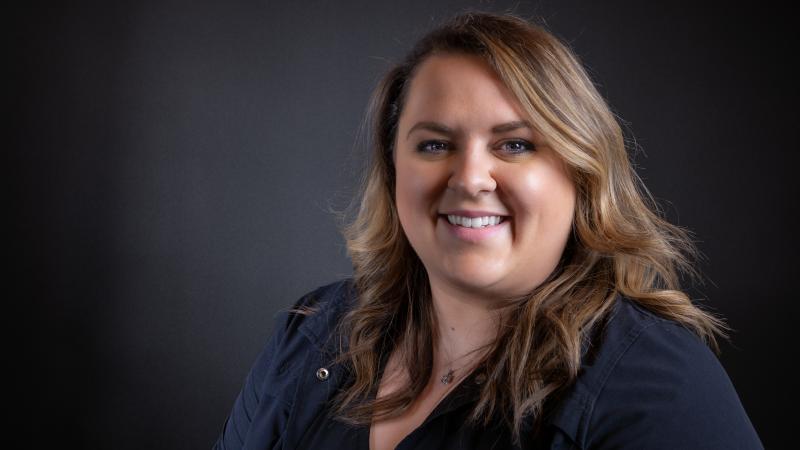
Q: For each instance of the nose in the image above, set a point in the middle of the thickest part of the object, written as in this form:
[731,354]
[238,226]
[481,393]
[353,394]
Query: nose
[471,172]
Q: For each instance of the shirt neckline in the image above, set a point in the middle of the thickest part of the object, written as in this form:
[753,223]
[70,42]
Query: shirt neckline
[466,392]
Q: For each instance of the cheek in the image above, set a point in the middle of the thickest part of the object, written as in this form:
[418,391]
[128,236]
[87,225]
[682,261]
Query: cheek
[405,208]
[414,192]
[408,203]
[547,195]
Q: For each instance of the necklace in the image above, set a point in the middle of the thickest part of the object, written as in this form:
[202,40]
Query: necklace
[448,377]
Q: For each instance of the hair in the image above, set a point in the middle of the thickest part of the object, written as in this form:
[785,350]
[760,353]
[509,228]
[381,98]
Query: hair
[620,243]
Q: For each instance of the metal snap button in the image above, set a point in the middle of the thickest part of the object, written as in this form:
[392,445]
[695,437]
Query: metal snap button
[480,378]
[322,374]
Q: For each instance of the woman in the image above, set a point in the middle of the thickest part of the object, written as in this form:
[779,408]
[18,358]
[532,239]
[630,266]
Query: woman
[512,286]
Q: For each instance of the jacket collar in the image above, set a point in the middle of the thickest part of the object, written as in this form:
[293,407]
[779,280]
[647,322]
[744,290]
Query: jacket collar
[332,301]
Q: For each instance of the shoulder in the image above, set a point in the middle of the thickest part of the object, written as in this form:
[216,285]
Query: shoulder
[324,306]
[269,387]
[295,334]
[655,384]
[642,345]
[268,391]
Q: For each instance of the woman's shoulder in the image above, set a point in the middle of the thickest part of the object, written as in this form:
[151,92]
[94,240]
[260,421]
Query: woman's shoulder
[315,314]
[276,371]
[303,326]
[635,337]
[653,383]
[630,324]
[326,297]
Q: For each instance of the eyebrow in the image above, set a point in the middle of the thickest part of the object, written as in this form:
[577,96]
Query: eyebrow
[444,129]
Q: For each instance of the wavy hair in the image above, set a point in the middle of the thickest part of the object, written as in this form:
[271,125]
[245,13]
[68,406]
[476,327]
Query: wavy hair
[620,243]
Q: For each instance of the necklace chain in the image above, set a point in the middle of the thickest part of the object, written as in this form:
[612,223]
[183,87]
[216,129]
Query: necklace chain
[448,377]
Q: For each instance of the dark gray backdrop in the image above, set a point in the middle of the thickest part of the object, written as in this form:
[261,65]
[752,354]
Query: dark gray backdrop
[172,164]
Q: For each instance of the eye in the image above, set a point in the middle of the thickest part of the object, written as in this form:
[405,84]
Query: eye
[518,146]
[432,147]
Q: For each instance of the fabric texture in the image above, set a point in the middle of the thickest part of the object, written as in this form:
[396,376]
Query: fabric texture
[649,384]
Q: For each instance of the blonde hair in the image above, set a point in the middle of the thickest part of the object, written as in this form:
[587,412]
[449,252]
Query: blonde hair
[619,241]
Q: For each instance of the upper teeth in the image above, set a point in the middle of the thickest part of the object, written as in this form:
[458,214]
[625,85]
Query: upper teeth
[474,222]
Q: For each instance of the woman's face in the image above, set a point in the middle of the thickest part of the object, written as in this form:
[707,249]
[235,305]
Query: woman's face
[463,149]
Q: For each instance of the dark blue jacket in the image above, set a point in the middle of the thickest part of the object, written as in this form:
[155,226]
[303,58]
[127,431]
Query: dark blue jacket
[651,384]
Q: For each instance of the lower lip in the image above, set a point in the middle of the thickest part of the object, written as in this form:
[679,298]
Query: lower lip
[475,234]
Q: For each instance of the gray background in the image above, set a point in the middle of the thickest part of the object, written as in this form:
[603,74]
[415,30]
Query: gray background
[172,164]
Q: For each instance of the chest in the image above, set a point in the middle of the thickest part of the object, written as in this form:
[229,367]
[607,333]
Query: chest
[387,433]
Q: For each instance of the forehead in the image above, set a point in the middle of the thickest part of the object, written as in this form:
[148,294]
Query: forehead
[460,86]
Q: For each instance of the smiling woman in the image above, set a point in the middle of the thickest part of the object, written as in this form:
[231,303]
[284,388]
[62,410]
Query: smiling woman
[512,288]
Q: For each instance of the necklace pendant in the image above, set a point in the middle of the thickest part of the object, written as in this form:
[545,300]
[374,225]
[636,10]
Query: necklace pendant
[448,377]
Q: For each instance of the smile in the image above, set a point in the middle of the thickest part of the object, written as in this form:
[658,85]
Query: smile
[475,230]
[474,222]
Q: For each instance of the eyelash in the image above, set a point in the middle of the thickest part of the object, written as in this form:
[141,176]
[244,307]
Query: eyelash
[529,147]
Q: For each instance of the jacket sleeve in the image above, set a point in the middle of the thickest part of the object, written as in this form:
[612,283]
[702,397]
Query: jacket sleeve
[669,391]
[252,395]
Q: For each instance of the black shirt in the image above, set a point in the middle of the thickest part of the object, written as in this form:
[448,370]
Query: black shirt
[445,427]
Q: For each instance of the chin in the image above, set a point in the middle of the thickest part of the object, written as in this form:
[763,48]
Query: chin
[475,280]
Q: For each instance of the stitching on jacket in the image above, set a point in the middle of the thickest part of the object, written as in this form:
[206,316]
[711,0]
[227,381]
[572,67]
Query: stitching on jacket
[627,343]
[305,332]
[290,404]
[323,298]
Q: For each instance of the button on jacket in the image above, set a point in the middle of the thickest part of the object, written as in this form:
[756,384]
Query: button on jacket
[649,384]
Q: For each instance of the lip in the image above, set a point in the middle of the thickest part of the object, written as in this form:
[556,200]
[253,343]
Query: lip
[472,213]
[474,235]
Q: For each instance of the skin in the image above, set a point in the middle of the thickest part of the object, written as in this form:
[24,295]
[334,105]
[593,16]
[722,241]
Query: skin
[471,168]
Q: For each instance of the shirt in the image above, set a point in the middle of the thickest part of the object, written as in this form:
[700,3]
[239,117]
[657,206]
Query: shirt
[648,383]
[445,428]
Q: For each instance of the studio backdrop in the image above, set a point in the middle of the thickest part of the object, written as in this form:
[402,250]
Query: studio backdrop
[175,166]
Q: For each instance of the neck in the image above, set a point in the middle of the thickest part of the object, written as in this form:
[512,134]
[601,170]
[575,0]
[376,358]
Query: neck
[463,325]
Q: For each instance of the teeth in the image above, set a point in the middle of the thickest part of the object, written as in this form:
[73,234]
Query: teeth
[474,222]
